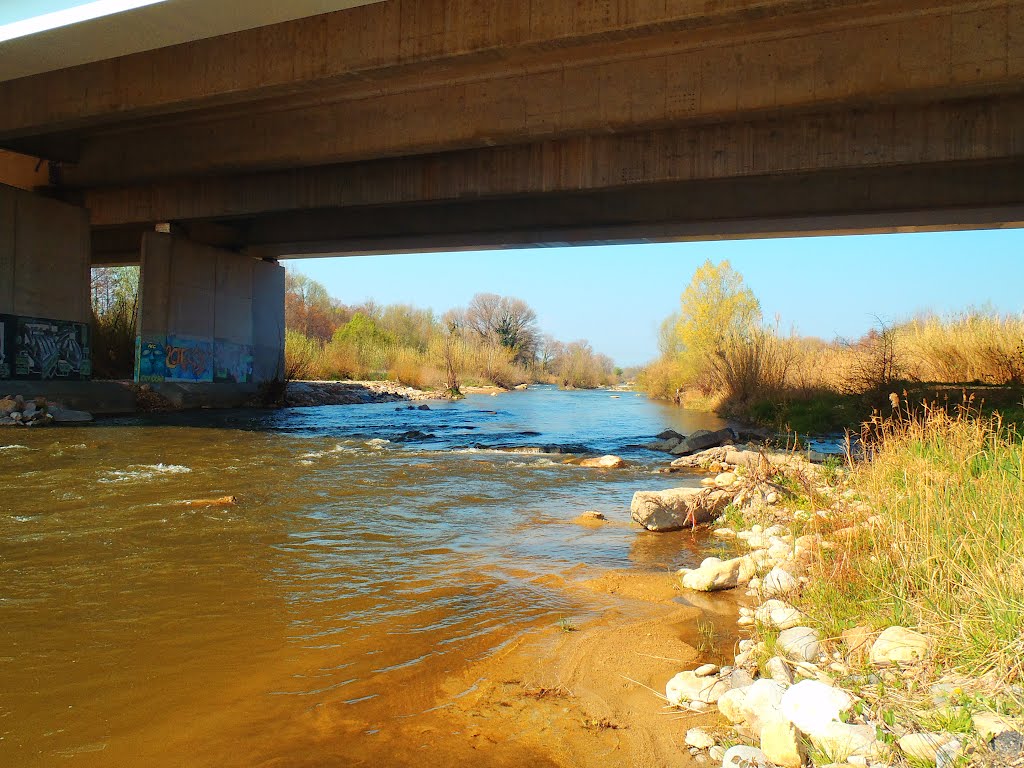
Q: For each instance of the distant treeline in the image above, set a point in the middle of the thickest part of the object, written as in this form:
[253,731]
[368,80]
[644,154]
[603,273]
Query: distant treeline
[495,340]
[718,353]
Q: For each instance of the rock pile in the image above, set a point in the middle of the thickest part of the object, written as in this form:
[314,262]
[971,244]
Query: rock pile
[800,699]
[15,410]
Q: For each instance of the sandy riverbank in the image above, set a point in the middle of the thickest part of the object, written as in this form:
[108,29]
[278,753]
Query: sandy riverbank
[584,698]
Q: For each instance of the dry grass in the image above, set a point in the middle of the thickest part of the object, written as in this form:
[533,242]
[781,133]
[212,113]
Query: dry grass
[948,555]
[807,384]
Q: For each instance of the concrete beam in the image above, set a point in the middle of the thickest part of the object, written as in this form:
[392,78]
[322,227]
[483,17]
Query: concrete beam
[902,60]
[360,45]
[952,132]
[944,196]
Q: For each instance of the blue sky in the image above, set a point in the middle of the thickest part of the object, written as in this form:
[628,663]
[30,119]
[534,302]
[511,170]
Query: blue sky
[617,296]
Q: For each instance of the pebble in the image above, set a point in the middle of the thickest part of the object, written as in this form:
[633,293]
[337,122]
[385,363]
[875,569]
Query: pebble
[779,670]
[717,753]
[705,670]
[924,746]
[742,756]
[1008,744]
[800,643]
[699,738]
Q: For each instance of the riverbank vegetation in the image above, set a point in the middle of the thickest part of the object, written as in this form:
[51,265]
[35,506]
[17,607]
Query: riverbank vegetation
[946,554]
[717,353]
[115,307]
[888,597]
[495,340]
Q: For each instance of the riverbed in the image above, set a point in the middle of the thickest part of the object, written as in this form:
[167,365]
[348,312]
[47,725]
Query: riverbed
[382,564]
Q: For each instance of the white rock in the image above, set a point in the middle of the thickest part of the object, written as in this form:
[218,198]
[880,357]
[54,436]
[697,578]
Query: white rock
[988,725]
[704,670]
[754,704]
[686,686]
[742,756]
[725,479]
[716,753]
[697,706]
[730,704]
[699,738]
[840,741]
[924,746]
[739,678]
[763,702]
[782,744]
[776,614]
[771,498]
[724,533]
[800,643]
[778,583]
[899,645]
[713,575]
[774,530]
[779,671]
[949,754]
[811,706]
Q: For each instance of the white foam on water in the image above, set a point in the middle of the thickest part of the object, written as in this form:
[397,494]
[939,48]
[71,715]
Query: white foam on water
[14,448]
[143,472]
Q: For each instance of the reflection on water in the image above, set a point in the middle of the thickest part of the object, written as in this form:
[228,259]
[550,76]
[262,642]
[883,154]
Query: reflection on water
[355,572]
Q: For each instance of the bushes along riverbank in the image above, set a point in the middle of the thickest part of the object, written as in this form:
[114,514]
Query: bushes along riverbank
[888,624]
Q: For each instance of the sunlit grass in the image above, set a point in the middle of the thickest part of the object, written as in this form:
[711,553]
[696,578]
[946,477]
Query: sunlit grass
[948,553]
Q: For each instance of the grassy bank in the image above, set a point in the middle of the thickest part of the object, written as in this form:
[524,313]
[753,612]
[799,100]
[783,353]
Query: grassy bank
[892,587]
[947,553]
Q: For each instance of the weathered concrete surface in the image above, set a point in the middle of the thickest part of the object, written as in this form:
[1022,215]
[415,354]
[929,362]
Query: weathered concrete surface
[97,397]
[417,124]
[44,257]
[213,296]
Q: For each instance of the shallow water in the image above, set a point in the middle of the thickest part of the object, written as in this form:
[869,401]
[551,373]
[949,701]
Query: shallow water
[355,572]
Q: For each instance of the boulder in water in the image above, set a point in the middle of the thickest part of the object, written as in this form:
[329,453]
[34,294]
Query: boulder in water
[677,508]
[604,462]
[703,439]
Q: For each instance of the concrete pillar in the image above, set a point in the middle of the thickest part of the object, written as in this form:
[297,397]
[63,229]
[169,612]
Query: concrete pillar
[208,315]
[44,289]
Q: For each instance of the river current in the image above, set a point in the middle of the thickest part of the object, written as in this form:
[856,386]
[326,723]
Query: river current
[374,550]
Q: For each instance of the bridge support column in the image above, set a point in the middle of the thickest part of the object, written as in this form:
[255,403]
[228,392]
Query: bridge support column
[207,316]
[44,289]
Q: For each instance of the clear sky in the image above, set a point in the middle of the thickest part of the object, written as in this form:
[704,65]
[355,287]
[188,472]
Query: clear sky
[617,296]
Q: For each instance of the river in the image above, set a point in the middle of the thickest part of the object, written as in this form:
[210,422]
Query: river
[355,575]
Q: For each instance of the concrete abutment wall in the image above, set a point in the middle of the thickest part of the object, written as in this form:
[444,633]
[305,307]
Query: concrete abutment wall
[208,315]
[44,289]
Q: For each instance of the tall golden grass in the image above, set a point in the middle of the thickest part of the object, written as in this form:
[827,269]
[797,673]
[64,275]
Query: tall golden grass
[948,553]
[973,347]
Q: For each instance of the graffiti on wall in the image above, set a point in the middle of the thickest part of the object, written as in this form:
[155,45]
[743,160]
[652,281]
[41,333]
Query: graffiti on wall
[150,358]
[187,358]
[35,348]
[232,362]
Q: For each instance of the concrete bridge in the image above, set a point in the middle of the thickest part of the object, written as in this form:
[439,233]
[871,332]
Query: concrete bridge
[440,124]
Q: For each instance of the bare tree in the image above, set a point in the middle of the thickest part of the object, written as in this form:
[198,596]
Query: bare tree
[508,321]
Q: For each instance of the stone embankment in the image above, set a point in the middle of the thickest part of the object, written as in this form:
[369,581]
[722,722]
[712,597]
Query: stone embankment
[792,697]
[15,411]
[311,393]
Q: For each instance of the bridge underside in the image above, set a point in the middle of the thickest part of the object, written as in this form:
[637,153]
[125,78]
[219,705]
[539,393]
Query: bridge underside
[438,124]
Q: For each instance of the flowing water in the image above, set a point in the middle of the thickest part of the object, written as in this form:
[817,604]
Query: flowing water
[355,572]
